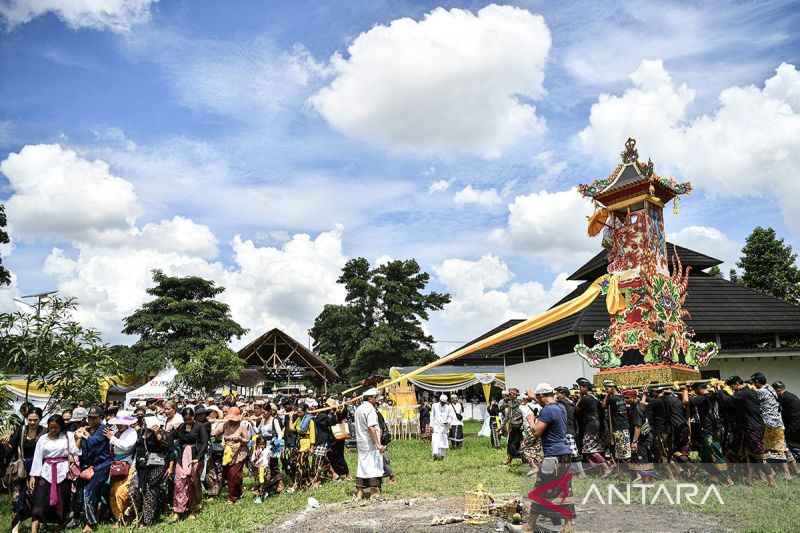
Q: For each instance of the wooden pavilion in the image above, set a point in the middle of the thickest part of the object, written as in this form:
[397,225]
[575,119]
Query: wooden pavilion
[276,358]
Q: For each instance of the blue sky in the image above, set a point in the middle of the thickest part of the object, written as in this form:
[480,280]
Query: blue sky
[263,144]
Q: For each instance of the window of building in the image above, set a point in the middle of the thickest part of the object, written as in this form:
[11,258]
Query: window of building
[537,351]
[513,357]
[747,341]
[563,345]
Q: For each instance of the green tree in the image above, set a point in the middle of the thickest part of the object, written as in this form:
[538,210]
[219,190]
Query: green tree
[380,326]
[5,275]
[768,265]
[715,271]
[55,352]
[733,276]
[181,320]
[209,369]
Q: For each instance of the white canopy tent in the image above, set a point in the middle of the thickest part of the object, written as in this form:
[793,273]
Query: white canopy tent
[155,388]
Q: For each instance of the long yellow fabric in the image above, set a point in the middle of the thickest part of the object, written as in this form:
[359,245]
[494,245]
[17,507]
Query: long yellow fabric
[539,321]
[18,385]
[615,301]
[442,379]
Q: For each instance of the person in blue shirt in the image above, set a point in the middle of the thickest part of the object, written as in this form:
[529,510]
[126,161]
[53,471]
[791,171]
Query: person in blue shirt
[93,440]
[551,427]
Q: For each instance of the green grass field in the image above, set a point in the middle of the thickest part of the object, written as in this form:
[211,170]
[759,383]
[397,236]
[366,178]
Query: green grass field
[749,508]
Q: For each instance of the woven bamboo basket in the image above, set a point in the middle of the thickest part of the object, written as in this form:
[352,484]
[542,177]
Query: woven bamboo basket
[477,502]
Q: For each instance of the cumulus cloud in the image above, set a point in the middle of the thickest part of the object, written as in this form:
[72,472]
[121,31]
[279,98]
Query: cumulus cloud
[550,225]
[452,82]
[482,296]
[59,194]
[749,146]
[709,241]
[115,15]
[487,198]
[439,186]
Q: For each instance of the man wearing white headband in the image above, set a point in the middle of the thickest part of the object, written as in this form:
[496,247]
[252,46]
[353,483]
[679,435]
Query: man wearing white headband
[442,416]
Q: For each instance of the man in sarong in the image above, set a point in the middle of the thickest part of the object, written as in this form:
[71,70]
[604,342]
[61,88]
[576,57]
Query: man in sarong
[641,438]
[370,449]
[551,428]
[705,405]
[790,413]
[587,411]
[747,438]
[774,439]
[514,420]
[442,417]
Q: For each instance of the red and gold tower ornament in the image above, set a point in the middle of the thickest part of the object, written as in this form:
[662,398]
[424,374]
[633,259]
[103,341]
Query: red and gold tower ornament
[644,299]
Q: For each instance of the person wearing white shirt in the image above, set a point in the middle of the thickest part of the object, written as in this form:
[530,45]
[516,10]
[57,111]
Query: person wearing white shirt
[370,449]
[48,481]
[442,417]
[123,443]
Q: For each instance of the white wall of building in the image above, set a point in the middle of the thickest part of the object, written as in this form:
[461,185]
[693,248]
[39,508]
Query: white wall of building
[784,367]
[558,370]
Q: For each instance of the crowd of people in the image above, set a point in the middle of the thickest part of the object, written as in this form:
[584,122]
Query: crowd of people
[164,457]
[132,464]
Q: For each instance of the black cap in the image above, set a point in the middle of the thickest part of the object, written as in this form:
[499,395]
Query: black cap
[778,385]
[583,382]
[287,401]
[94,411]
[200,410]
[562,390]
[699,386]
[733,380]
[758,377]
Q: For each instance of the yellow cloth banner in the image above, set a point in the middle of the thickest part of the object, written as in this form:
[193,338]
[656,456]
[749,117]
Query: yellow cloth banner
[539,321]
[440,379]
[18,385]
[615,301]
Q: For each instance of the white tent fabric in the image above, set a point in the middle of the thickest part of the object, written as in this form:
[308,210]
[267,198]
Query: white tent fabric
[155,388]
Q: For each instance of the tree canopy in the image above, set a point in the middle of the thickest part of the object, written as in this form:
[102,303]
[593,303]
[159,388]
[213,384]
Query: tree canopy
[380,325]
[768,265]
[182,320]
[55,352]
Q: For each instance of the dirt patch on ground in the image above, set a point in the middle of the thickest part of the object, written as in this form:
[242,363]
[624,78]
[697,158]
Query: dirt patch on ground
[396,516]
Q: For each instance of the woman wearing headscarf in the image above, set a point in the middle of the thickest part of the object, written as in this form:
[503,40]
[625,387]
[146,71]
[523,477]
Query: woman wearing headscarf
[95,464]
[154,464]
[192,442]
[49,481]
[336,452]
[235,435]
[213,480]
[123,440]
[22,446]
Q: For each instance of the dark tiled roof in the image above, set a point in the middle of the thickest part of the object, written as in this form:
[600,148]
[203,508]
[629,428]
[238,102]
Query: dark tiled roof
[716,306]
[484,356]
[597,265]
[629,175]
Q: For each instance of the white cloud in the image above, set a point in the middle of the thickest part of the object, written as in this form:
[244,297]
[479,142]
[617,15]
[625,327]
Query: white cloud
[487,198]
[59,194]
[439,186]
[482,297]
[452,82]
[549,225]
[115,15]
[750,146]
[709,241]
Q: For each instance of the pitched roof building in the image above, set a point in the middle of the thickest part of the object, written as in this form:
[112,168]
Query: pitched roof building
[754,331]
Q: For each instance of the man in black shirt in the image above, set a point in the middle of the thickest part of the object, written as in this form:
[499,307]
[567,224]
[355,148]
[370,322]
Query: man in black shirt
[617,411]
[588,415]
[658,415]
[679,427]
[790,413]
[747,439]
[562,397]
[706,405]
[641,437]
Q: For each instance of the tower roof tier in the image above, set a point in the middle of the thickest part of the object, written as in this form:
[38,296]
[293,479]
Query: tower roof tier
[631,178]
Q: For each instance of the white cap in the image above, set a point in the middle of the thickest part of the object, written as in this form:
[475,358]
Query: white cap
[443,398]
[544,388]
[370,392]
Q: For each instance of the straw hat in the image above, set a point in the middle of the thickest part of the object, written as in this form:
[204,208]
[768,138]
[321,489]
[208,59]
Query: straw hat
[234,415]
[216,409]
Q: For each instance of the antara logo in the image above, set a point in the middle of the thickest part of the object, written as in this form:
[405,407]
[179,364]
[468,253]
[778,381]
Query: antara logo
[683,492]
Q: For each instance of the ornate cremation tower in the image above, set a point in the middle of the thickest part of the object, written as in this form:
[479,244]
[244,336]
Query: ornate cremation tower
[647,338]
